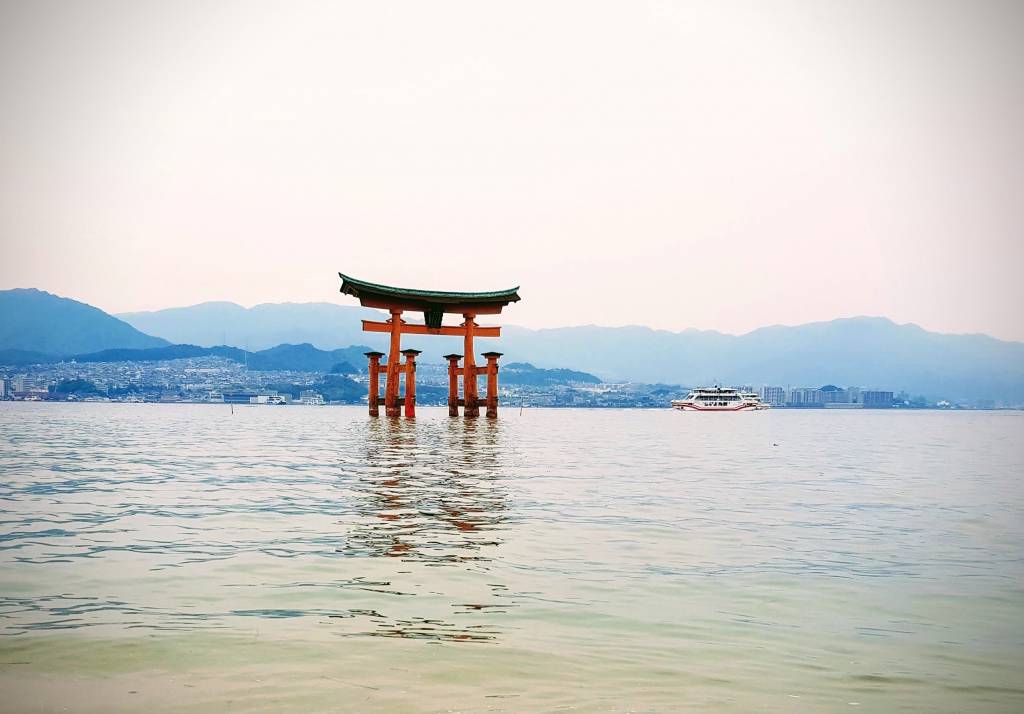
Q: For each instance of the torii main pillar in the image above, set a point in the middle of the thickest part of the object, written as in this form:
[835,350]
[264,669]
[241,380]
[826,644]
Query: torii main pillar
[434,304]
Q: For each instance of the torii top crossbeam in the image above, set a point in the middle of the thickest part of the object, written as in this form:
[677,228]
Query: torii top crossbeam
[427,301]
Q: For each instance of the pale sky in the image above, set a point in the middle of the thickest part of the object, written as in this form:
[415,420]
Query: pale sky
[719,165]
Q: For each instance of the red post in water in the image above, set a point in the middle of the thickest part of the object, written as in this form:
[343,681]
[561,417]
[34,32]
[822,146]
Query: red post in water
[469,388]
[373,398]
[391,388]
[453,384]
[410,381]
[492,383]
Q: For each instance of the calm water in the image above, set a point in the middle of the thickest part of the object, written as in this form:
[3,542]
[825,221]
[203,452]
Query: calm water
[176,557]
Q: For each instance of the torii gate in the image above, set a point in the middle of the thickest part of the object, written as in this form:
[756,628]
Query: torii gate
[433,304]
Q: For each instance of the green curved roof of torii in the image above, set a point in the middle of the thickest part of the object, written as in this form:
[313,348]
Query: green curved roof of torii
[362,288]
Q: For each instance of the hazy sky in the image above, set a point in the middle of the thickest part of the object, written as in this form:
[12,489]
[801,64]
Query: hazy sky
[717,164]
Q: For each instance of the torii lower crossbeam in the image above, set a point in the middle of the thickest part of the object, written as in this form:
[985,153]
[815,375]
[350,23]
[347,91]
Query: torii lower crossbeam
[406,328]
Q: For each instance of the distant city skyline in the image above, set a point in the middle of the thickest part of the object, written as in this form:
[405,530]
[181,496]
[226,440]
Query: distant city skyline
[224,378]
[720,166]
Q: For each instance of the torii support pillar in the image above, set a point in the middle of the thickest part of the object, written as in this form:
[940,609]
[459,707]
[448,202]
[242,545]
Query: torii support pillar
[453,384]
[410,382]
[469,386]
[391,406]
[492,383]
[373,398]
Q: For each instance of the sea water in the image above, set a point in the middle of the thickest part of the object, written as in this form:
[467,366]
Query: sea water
[195,558]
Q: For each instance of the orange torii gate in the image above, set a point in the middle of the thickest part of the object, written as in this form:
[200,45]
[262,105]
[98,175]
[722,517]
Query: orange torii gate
[433,304]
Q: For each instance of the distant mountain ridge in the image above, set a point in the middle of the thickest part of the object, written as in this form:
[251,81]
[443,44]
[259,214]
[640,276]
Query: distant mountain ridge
[325,325]
[862,351]
[37,321]
[524,373]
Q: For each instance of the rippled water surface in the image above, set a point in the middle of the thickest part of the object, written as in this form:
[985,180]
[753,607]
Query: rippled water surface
[181,557]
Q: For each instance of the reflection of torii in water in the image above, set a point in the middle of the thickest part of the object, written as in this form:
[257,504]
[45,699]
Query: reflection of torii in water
[428,494]
[433,304]
[423,504]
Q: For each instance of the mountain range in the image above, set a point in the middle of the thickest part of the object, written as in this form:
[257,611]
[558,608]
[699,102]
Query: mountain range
[870,352]
[325,325]
[34,321]
[862,351]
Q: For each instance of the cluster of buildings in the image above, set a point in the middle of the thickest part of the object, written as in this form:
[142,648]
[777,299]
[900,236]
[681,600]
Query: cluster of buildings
[200,379]
[268,396]
[828,397]
[628,395]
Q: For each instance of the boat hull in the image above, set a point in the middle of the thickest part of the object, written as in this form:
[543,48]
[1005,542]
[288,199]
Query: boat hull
[699,408]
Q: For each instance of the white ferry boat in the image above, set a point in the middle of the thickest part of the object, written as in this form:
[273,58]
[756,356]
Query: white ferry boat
[752,398]
[719,399]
